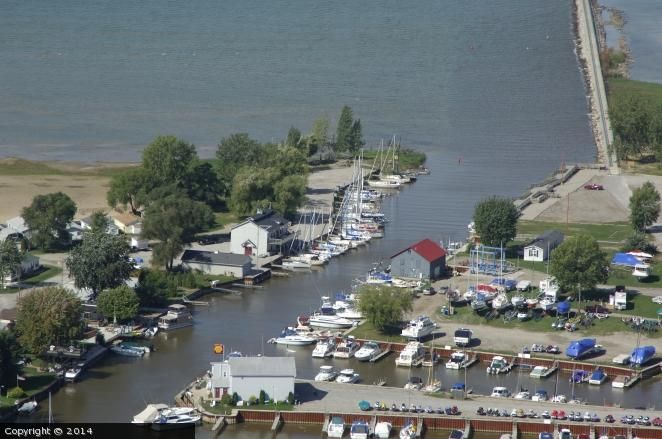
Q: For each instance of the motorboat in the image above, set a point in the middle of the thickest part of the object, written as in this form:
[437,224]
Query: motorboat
[385,184]
[368,351]
[27,408]
[517,301]
[324,348]
[411,355]
[479,303]
[336,427]
[540,395]
[347,376]
[149,414]
[290,337]
[359,430]
[642,355]
[458,360]
[178,316]
[523,394]
[408,431]
[378,278]
[579,376]
[294,264]
[456,434]
[418,328]
[330,321]
[581,348]
[546,435]
[73,373]
[432,386]
[538,372]
[498,365]
[547,303]
[349,313]
[560,399]
[430,359]
[598,376]
[500,392]
[383,430]
[127,351]
[414,383]
[346,348]
[326,373]
[172,421]
[565,434]
[500,302]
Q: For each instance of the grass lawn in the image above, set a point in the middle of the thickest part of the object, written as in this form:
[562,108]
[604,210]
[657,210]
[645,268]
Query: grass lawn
[45,272]
[29,167]
[34,383]
[638,304]
[367,331]
[623,276]
[611,232]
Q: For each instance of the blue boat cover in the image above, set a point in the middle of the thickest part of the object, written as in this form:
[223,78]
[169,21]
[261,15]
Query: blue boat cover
[578,348]
[563,307]
[625,259]
[458,386]
[642,354]
[545,435]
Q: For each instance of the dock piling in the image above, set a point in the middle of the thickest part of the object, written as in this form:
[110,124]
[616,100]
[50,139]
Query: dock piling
[219,425]
[325,426]
[278,422]
[467,429]
[420,426]
[515,432]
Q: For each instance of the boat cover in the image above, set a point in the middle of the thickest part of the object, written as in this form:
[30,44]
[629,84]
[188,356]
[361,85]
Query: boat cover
[625,260]
[580,347]
[149,414]
[642,354]
[563,307]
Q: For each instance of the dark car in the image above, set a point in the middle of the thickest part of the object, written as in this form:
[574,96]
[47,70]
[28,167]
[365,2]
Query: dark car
[205,240]
[594,187]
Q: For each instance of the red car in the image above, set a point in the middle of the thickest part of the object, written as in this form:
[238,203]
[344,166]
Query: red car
[594,187]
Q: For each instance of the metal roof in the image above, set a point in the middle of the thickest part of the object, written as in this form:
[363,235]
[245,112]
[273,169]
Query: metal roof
[215,258]
[263,366]
[428,249]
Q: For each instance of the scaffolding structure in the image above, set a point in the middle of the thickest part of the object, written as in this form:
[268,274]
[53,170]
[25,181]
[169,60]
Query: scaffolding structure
[488,260]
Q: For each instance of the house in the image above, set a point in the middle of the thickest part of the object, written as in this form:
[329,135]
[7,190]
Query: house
[29,265]
[14,228]
[541,247]
[425,259]
[127,222]
[247,376]
[261,235]
[219,263]
[112,229]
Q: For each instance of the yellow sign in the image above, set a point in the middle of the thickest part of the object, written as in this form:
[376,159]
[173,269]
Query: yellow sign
[218,348]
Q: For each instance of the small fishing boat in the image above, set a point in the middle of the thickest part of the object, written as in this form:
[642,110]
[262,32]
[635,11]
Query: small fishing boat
[27,408]
[498,365]
[383,430]
[523,394]
[336,427]
[598,376]
[500,392]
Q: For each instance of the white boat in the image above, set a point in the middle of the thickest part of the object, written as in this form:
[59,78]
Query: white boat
[173,421]
[346,348]
[324,348]
[500,302]
[347,376]
[458,360]
[336,427]
[402,179]
[326,373]
[547,303]
[383,430]
[368,351]
[411,355]
[290,337]
[27,408]
[408,431]
[641,271]
[497,365]
[565,434]
[532,302]
[538,372]
[72,374]
[598,376]
[349,313]
[414,383]
[311,259]
[500,392]
[330,321]
[178,316]
[432,387]
[524,394]
[127,351]
[388,184]
[560,399]
[517,301]
[418,328]
[293,264]
[149,414]
[359,430]
[456,434]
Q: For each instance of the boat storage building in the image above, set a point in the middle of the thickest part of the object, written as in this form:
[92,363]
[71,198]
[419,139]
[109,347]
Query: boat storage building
[247,376]
[425,259]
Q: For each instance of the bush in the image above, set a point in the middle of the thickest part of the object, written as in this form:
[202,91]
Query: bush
[639,241]
[16,393]
[227,399]
[263,396]
[252,400]
[290,398]
[235,398]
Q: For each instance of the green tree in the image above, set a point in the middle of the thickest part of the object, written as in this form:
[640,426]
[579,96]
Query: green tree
[344,129]
[252,188]
[579,262]
[319,136]
[356,137]
[644,206]
[10,259]
[289,194]
[639,241]
[630,117]
[203,184]
[130,188]
[154,288]
[9,350]
[296,140]
[48,217]
[235,152]
[119,304]
[168,160]
[496,220]
[99,222]
[384,306]
[100,262]
[173,221]
[48,316]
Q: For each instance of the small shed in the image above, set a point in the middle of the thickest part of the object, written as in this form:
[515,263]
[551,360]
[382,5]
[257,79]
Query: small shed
[218,263]
[425,259]
[540,248]
[247,376]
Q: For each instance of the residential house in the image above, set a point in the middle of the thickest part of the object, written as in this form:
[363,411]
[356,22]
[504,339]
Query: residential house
[247,376]
[541,247]
[127,222]
[112,229]
[264,234]
[14,228]
[29,265]
[426,259]
[218,263]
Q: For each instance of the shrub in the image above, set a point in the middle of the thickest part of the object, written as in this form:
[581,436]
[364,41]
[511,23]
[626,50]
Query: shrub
[290,398]
[235,398]
[252,400]
[263,396]
[227,399]
[16,393]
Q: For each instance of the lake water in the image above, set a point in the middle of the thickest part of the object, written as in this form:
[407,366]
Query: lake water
[491,91]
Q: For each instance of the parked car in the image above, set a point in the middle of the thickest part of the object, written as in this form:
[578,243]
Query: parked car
[609,419]
[594,187]
[205,240]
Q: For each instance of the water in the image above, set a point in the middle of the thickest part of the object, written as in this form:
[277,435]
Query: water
[643,32]
[480,87]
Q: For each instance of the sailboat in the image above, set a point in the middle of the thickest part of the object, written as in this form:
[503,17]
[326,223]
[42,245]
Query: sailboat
[433,385]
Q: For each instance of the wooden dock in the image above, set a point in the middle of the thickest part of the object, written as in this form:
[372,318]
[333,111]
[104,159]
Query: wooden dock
[219,425]
[550,371]
[471,362]
[325,426]
[382,354]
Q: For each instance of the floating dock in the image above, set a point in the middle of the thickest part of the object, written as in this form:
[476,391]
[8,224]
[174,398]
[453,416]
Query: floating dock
[385,351]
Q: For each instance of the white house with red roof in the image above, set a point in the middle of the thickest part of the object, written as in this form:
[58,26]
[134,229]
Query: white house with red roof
[425,259]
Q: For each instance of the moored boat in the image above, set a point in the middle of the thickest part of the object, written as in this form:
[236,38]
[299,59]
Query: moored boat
[324,348]
[347,376]
[598,376]
[326,373]
[178,316]
[290,337]
[368,351]
[346,348]
[383,430]
[359,430]
[336,427]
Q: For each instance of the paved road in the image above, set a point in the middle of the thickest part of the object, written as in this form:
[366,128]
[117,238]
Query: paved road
[344,398]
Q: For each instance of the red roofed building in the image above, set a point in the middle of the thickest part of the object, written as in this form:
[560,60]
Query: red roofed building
[425,259]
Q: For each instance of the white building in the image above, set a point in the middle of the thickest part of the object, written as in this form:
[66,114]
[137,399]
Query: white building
[29,264]
[127,222]
[247,376]
[14,228]
[111,229]
[261,235]
[226,264]
[541,247]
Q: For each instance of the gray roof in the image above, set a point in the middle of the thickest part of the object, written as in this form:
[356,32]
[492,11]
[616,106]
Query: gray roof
[267,220]
[215,258]
[548,237]
[263,366]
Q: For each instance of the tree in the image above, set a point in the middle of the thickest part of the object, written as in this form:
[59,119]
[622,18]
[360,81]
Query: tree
[10,259]
[644,206]
[154,288]
[48,217]
[639,241]
[384,306]
[168,160]
[174,220]
[100,262]
[344,129]
[252,188]
[203,184]
[496,220]
[356,137]
[119,304]
[235,152]
[289,194]
[99,222]
[48,316]
[130,188]
[319,136]
[8,353]
[579,262]
[296,140]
